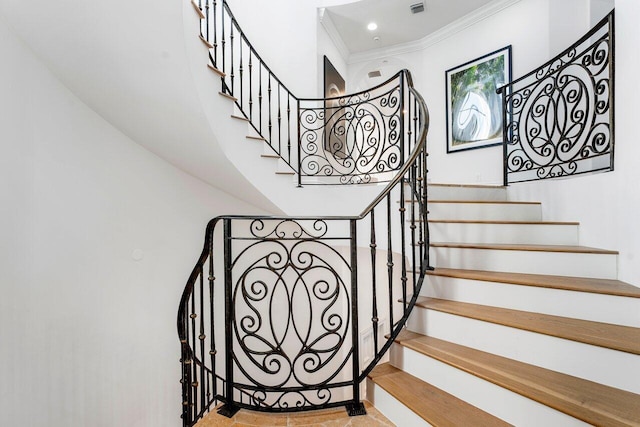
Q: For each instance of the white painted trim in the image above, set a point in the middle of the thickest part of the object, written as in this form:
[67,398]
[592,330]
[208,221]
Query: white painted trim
[493,399]
[436,37]
[392,408]
[598,364]
[328,24]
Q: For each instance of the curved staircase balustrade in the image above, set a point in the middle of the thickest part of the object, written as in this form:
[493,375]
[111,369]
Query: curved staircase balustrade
[558,120]
[325,141]
[307,306]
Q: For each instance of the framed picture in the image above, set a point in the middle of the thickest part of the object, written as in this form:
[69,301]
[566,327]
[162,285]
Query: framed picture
[474,109]
[334,86]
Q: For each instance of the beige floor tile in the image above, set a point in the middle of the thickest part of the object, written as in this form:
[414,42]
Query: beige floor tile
[333,417]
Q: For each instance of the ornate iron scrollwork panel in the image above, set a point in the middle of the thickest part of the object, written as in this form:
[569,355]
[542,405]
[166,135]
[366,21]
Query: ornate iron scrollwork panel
[351,139]
[292,325]
[559,118]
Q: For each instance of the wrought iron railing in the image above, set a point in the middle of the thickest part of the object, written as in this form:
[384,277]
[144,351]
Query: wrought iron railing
[325,141]
[286,314]
[558,119]
[290,314]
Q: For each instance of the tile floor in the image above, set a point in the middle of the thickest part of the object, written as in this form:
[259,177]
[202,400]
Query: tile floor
[334,417]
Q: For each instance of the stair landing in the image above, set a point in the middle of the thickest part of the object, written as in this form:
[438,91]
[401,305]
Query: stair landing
[333,417]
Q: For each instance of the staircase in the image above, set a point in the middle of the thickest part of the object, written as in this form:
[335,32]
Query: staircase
[516,324]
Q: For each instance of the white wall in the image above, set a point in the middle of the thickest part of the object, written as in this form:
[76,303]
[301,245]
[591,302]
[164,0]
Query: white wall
[87,332]
[283,33]
[568,21]
[289,37]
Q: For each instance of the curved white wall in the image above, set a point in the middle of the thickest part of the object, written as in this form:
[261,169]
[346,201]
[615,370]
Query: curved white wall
[98,238]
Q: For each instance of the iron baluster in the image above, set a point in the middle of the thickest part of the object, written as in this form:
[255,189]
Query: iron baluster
[421,181]
[250,85]
[199,386]
[212,328]
[229,407]
[390,260]
[403,246]
[269,100]
[260,98]
[280,121]
[355,407]
[215,33]
[289,125]
[240,72]
[194,366]
[374,308]
[231,48]
[207,22]
[612,73]
[412,226]
[223,42]
[299,119]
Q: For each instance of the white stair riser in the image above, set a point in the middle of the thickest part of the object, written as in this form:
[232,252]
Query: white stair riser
[391,408]
[533,234]
[500,402]
[485,211]
[598,266]
[437,192]
[557,302]
[610,367]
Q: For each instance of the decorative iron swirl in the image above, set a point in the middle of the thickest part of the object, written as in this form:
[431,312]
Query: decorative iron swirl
[290,322]
[287,400]
[352,138]
[558,117]
[288,229]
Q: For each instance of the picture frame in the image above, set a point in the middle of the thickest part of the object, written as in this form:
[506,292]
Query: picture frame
[474,109]
[334,86]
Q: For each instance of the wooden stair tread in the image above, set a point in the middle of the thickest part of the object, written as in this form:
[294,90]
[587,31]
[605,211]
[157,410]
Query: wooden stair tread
[197,9]
[285,173]
[244,119]
[430,184]
[474,221]
[270,156]
[583,399]
[523,247]
[596,286]
[616,337]
[257,138]
[221,74]
[433,405]
[485,202]
[206,42]
[226,95]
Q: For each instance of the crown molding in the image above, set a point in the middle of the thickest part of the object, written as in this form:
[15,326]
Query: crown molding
[334,35]
[445,32]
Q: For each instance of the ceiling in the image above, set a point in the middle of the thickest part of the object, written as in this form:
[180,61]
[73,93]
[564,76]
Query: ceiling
[396,23]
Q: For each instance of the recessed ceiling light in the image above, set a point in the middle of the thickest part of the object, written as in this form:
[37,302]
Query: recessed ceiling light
[372,26]
[376,39]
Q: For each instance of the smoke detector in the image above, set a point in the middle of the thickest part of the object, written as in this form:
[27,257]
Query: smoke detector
[417,8]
